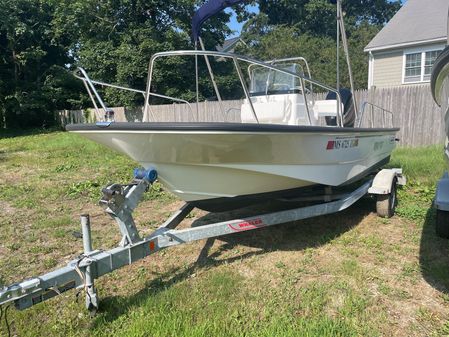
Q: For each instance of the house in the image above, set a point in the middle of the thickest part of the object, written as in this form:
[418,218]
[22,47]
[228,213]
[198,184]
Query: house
[229,45]
[403,52]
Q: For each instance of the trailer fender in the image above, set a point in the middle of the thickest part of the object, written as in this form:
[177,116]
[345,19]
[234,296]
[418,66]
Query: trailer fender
[383,181]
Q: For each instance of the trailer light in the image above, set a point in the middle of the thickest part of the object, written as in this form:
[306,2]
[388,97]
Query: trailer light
[152,245]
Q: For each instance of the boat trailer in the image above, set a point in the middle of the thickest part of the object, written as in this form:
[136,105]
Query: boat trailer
[119,201]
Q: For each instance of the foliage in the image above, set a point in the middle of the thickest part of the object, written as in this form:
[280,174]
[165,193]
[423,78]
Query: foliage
[114,42]
[318,51]
[32,84]
[317,17]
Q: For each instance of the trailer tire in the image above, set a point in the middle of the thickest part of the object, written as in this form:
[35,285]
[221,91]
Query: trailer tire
[442,224]
[386,203]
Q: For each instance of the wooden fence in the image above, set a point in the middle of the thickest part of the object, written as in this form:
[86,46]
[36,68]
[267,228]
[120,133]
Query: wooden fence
[414,112]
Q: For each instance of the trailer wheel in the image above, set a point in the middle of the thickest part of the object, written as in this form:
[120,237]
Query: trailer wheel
[386,203]
[442,224]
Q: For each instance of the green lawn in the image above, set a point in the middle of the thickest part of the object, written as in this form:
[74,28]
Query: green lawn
[349,274]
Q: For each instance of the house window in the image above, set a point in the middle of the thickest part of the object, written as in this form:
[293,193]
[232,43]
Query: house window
[431,57]
[413,67]
[418,66]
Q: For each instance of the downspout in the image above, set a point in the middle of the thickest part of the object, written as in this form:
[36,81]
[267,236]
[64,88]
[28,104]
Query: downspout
[370,69]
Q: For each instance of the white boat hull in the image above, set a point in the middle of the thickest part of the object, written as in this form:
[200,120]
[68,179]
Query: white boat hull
[201,164]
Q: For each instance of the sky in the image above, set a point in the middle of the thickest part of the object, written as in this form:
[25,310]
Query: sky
[237,26]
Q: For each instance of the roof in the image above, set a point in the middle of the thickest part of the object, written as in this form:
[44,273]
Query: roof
[228,44]
[417,22]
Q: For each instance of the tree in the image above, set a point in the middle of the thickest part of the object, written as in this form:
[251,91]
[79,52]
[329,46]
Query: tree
[29,56]
[308,28]
[42,41]
[114,40]
[317,17]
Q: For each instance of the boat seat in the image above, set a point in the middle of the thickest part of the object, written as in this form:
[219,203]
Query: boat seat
[326,108]
[288,108]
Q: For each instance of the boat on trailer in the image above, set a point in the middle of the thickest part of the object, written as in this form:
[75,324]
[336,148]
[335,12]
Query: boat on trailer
[279,150]
[285,140]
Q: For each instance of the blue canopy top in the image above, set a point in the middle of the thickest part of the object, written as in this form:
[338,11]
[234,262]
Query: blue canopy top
[208,10]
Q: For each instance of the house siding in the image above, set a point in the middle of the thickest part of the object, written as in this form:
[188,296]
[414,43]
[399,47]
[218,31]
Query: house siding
[388,67]
[387,70]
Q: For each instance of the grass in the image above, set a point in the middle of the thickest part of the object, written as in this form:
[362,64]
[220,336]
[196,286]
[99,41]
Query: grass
[349,274]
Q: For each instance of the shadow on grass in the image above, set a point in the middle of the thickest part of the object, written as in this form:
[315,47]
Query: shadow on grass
[434,255]
[293,236]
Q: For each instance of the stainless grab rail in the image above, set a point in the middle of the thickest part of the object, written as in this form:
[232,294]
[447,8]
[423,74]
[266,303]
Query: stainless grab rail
[90,87]
[235,59]
[384,112]
[89,83]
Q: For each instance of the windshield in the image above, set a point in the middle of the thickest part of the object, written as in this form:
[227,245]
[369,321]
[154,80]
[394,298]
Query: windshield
[264,80]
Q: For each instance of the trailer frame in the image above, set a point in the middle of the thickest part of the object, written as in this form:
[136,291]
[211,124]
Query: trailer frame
[119,201]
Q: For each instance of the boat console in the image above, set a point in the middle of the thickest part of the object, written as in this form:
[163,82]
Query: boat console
[279,98]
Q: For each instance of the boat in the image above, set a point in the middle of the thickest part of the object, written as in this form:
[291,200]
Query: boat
[286,141]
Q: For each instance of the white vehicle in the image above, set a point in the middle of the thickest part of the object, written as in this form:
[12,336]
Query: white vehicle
[440,91]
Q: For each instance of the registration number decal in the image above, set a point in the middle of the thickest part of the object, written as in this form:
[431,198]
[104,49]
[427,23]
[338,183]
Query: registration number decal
[342,144]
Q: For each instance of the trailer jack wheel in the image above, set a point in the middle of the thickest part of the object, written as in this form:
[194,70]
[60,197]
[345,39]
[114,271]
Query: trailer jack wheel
[442,224]
[386,203]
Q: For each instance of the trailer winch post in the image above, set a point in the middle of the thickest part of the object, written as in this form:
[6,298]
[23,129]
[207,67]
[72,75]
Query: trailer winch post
[91,294]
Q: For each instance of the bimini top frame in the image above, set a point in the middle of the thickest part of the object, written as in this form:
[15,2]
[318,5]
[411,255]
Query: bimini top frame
[272,66]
